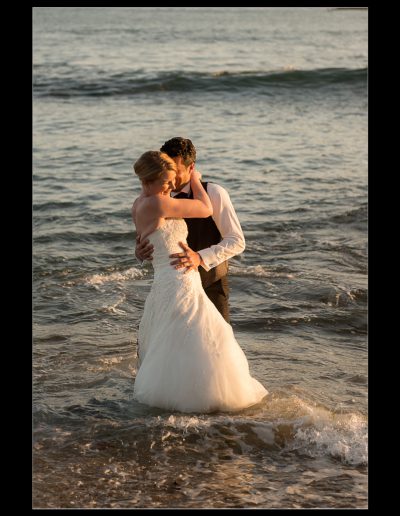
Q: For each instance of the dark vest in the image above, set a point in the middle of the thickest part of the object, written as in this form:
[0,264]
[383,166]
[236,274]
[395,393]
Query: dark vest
[204,233]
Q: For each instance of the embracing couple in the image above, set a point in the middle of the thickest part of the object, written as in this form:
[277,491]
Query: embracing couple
[188,357]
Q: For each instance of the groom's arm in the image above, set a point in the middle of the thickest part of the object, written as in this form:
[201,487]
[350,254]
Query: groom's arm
[227,222]
[143,250]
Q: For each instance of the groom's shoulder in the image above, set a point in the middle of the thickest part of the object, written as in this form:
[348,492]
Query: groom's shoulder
[217,189]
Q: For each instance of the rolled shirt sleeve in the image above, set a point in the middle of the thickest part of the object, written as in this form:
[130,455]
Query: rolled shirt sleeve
[228,224]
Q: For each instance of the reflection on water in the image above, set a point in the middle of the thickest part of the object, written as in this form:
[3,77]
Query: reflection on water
[249,460]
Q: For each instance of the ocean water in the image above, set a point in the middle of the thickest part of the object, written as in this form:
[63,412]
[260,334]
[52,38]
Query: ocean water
[275,101]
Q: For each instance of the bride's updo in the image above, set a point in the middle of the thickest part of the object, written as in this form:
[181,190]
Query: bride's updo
[152,164]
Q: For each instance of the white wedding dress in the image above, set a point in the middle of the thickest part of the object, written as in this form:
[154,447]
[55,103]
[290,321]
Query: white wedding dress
[188,357]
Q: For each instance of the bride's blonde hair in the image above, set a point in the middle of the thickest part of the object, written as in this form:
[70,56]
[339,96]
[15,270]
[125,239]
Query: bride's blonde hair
[152,164]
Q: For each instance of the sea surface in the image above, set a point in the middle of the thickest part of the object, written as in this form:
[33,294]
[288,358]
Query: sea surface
[275,101]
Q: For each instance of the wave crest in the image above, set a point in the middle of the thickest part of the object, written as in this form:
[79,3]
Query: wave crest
[77,84]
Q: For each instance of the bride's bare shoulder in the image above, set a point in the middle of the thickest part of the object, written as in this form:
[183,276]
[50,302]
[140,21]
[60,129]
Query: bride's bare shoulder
[138,202]
[149,202]
[145,206]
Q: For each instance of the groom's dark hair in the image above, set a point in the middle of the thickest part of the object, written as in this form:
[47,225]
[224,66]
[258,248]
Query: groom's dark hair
[180,147]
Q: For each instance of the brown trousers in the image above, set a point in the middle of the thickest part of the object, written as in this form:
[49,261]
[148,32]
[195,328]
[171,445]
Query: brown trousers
[218,292]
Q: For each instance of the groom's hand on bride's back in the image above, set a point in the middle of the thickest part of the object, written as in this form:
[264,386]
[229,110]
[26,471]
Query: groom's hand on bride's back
[144,250]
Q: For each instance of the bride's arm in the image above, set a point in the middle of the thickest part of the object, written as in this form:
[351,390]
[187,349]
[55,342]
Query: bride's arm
[198,191]
[198,207]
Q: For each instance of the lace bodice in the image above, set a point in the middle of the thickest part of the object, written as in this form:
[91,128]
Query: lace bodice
[166,241]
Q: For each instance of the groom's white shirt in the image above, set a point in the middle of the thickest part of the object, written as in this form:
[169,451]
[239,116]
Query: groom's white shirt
[228,225]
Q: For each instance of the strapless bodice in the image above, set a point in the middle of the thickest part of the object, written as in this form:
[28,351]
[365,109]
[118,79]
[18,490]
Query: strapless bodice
[166,240]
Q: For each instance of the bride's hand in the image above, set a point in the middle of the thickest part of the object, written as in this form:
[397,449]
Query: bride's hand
[195,175]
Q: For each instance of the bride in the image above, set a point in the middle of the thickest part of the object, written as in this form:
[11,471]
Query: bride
[188,357]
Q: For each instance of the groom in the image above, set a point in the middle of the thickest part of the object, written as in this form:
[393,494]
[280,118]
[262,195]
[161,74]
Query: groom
[211,241]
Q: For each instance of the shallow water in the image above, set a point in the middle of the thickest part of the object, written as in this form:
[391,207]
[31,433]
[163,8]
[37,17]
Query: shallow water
[275,100]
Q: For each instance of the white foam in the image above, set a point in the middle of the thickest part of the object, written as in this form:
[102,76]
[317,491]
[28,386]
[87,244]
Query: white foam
[264,432]
[100,279]
[312,430]
[344,436]
[113,308]
[186,422]
[258,271]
